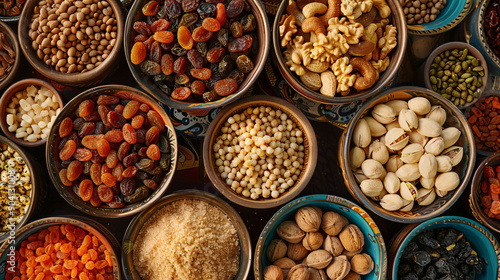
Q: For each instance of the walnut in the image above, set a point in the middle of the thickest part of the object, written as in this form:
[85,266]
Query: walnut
[298,272]
[353,9]
[273,272]
[388,41]
[312,241]
[381,64]
[287,30]
[290,232]
[276,249]
[319,259]
[296,252]
[308,218]
[332,223]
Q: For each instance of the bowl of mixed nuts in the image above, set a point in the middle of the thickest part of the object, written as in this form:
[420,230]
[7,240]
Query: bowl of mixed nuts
[407,155]
[196,55]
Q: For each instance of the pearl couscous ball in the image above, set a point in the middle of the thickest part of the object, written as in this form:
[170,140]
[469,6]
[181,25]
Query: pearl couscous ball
[260,152]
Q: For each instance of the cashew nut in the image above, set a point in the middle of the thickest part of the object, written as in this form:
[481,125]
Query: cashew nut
[314,8]
[333,11]
[367,71]
[292,9]
[329,84]
[302,3]
[383,9]
[313,24]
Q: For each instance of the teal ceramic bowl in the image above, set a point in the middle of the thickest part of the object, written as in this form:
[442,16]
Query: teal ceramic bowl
[374,243]
[452,14]
[481,240]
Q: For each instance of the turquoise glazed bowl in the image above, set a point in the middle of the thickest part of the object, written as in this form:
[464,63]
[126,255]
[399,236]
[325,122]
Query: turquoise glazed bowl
[481,240]
[374,243]
[452,14]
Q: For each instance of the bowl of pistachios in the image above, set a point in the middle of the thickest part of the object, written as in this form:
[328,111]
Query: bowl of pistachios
[407,155]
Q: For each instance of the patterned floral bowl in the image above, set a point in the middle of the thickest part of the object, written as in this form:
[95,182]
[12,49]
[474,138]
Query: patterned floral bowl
[452,14]
[374,242]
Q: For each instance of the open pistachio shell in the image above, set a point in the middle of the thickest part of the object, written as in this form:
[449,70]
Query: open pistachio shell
[427,166]
[397,105]
[408,172]
[396,139]
[419,105]
[438,114]
[376,128]
[425,196]
[429,127]
[447,181]
[361,135]
[357,156]
[372,169]
[435,146]
[450,136]
[440,193]
[408,191]
[378,151]
[407,205]
[455,153]
[417,138]
[392,202]
[444,163]
[412,153]
[391,182]
[394,163]
[379,197]
[383,114]
[394,124]
[359,175]
[371,187]
[427,183]
[408,120]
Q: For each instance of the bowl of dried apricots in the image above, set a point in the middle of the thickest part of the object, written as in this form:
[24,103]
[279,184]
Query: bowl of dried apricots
[199,54]
[61,248]
[336,52]
[112,151]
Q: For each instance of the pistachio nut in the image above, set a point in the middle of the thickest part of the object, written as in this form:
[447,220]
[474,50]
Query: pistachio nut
[273,272]
[447,181]
[441,193]
[290,232]
[379,197]
[394,124]
[408,191]
[427,166]
[378,151]
[438,114]
[391,182]
[408,120]
[332,223]
[396,139]
[419,105]
[319,259]
[427,183]
[296,251]
[308,219]
[450,136]
[298,272]
[358,174]
[412,153]
[455,153]
[444,163]
[362,264]
[376,129]
[397,105]
[407,205]
[371,187]
[394,163]
[429,127]
[417,138]
[361,135]
[338,268]
[372,169]
[333,245]
[392,202]
[383,114]
[425,196]
[312,241]
[435,146]
[284,263]
[276,250]
[408,172]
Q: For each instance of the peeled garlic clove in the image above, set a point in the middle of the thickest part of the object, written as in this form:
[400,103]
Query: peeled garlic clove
[394,163]
[394,124]
[408,120]
[392,202]
[444,164]
[429,127]
[396,139]
[417,138]
[450,136]
[408,191]
[435,146]
[455,153]
[383,114]
[397,105]
[378,152]
[407,205]
[441,193]
[425,196]
[427,166]
[376,129]
[438,114]
[447,181]
[361,135]
[408,172]
[379,197]
[371,187]
[357,156]
[427,183]
[419,105]
[412,153]
[391,182]
[372,169]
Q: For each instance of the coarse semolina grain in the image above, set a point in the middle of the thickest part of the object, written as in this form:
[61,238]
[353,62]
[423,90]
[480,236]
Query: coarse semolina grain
[187,239]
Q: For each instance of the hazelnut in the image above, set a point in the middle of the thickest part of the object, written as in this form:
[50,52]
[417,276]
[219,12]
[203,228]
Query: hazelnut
[352,238]
[276,250]
[290,232]
[362,264]
[296,251]
[333,245]
[319,259]
[273,272]
[332,223]
[312,241]
[308,219]
[298,272]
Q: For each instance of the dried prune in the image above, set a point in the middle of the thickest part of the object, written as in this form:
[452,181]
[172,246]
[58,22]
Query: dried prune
[145,164]
[127,186]
[206,10]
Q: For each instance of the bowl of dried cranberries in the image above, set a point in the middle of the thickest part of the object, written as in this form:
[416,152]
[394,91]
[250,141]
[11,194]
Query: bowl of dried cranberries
[112,151]
[196,55]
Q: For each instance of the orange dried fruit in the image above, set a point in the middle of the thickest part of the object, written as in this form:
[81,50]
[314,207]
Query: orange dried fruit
[138,53]
[184,38]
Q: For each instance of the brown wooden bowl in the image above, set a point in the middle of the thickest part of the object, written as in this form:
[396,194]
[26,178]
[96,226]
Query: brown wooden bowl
[7,98]
[77,79]
[12,39]
[310,144]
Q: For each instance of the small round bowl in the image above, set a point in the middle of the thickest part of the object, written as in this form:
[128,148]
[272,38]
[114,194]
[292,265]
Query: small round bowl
[475,193]
[53,162]
[453,13]
[385,79]
[374,242]
[310,144]
[91,226]
[14,44]
[464,169]
[136,224]
[85,79]
[38,187]
[262,31]
[6,99]
[457,45]
[481,240]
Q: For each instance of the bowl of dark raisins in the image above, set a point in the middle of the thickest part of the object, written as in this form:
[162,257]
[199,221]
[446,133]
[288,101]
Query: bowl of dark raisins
[112,151]
[448,247]
[196,55]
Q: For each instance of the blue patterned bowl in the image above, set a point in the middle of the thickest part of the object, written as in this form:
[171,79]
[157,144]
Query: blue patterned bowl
[481,240]
[374,243]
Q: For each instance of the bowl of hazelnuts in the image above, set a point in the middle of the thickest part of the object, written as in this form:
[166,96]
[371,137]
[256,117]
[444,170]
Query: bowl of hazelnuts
[320,236]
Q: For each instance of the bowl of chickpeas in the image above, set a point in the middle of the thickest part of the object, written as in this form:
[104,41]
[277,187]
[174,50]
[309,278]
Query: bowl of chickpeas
[260,152]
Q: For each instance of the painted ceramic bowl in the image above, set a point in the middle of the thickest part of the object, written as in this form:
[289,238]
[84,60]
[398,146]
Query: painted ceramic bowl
[14,44]
[374,243]
[450,16]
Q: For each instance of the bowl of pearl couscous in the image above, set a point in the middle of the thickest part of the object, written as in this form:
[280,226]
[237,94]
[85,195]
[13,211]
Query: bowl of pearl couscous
[260,152]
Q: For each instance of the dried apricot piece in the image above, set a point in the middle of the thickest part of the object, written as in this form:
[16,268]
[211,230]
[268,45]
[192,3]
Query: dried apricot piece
[68,150]
[202,74]
[138,53]
[164,36]
[129,134]
[151,8]
[181,93]
[221,14]
[85,189]
[108,179]
[200,34]
[65,127]
[211,24]
[184,38]
[153,152]
[167,64]
[103,147]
